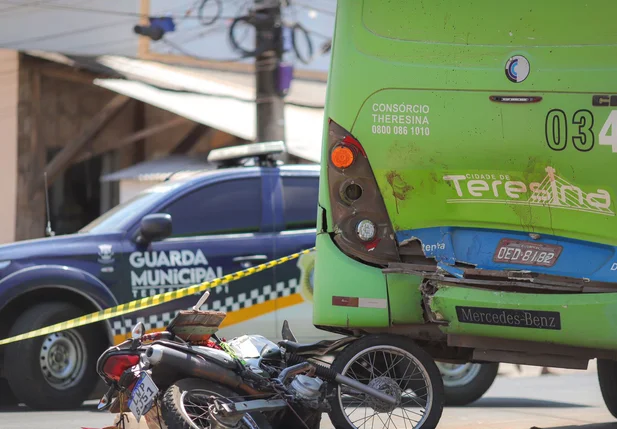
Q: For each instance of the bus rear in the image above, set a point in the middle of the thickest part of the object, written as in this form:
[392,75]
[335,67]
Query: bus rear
[474,142]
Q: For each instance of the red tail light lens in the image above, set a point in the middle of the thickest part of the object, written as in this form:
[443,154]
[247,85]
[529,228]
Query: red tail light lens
[362,226]
[117,364]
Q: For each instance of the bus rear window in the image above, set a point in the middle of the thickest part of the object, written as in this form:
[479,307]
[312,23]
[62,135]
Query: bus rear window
[524,23]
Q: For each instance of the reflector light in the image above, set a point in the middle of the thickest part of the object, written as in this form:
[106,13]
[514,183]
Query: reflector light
[117,364]
[342,157]
[366,230]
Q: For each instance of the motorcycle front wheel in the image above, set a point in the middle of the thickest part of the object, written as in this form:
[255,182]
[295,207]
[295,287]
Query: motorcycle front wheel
[396,366]
[185,404]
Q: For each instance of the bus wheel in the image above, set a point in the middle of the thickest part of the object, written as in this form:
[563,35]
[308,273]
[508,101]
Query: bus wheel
[56,371]
[607,376]
[468,382]
[397,366]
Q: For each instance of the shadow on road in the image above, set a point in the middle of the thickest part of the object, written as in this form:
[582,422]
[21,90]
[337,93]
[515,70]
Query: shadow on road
[24,409]
[589,426]
[520,403]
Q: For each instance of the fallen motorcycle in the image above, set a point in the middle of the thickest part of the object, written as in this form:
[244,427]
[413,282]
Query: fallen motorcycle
[187,377]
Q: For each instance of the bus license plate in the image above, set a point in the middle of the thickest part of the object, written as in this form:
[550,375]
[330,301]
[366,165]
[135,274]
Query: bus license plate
[143,394]
[526,253]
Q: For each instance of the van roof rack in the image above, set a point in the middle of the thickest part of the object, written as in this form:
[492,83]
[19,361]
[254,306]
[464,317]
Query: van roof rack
[263,153]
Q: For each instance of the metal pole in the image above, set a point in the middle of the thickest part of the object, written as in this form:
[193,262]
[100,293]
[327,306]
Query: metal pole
[270,118]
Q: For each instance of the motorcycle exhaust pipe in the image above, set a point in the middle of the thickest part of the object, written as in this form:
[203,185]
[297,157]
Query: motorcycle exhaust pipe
[364,388]
[196,366]
[331,375]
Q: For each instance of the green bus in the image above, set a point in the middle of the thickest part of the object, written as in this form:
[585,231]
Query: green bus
[466,207]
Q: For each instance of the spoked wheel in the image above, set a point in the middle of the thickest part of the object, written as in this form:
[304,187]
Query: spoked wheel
[396,366]
[185,404]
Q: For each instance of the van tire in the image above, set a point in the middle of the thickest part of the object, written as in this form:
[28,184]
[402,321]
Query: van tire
[7,398]
[607,376]
[473,389]
[72,355]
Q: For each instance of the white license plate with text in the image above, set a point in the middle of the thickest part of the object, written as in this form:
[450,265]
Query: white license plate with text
[142,396]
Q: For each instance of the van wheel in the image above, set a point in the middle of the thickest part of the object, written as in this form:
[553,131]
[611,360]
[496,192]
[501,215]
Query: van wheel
[607,376]
[57,371]
[7,399]
[468,382]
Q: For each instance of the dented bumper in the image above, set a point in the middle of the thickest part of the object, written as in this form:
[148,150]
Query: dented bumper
[579,320]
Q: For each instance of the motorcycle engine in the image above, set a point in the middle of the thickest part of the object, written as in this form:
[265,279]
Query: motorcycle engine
[308,405]
[307,388]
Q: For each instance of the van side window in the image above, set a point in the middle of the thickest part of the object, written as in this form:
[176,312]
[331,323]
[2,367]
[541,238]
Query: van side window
[229,207]
[300,199]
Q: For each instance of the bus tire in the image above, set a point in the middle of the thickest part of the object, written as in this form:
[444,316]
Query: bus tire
[607,376]
[57,371]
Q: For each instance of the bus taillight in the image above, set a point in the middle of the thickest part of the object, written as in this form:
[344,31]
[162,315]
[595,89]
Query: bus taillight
[362,228]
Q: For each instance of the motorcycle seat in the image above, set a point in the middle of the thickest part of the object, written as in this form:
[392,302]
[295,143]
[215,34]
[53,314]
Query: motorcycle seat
[299,348]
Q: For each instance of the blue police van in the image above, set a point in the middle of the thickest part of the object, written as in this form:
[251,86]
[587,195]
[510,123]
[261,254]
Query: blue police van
[173,235]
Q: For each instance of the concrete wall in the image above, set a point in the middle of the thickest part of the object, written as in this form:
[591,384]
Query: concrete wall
[9,84]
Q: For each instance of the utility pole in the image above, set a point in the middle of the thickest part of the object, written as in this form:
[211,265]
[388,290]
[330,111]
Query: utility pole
[272,77]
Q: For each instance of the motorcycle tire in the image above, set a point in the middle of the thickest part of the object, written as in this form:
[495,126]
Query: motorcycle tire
[398,345]
[54,372]
[174,411]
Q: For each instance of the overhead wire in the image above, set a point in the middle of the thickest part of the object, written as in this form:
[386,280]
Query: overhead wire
[316,9]
[109,12]
[16,43]
[219,11]
[22,5]
[199,57]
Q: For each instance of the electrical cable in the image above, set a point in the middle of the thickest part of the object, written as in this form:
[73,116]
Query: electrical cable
[22,5]
[195,33]
[234,42]
[316,9]
[219,12]
[294,29]
[106,11]
[199,57]
[12,44]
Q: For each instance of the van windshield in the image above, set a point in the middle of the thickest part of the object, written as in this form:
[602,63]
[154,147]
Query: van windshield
[115,219]
[121,216]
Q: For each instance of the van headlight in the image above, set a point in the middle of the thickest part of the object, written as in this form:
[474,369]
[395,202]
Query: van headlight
[4,264]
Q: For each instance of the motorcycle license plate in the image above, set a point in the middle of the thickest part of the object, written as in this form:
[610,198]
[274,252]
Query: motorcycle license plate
[526,253]
[142,396]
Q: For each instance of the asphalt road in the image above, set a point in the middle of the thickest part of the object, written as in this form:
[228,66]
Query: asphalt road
[570,401]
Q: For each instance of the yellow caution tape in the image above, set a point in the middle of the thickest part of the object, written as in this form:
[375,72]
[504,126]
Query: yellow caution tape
[140,304]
